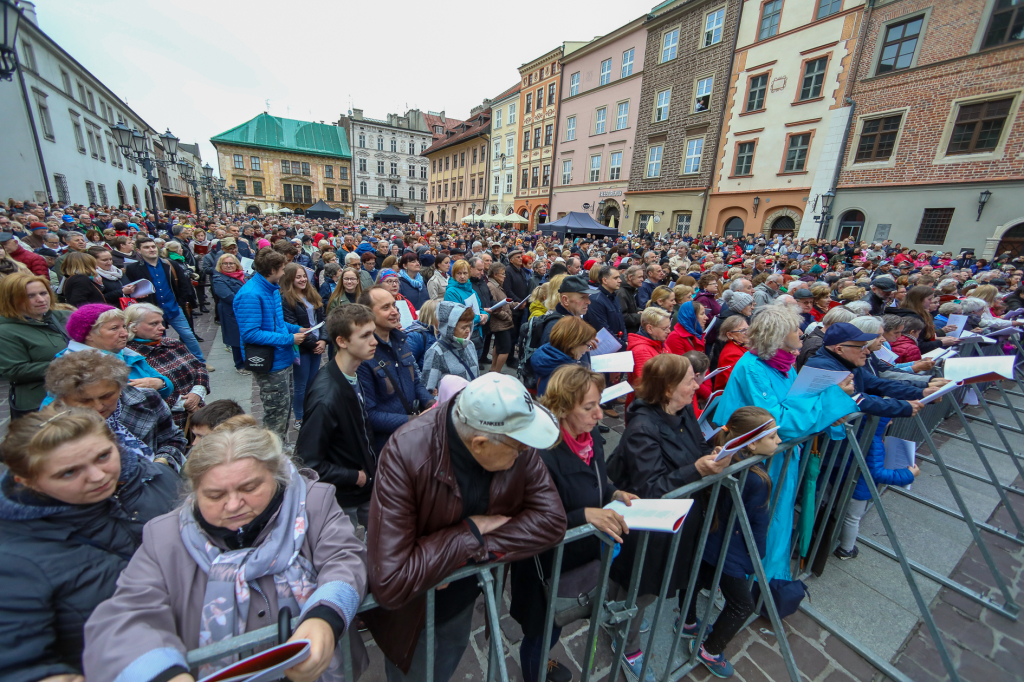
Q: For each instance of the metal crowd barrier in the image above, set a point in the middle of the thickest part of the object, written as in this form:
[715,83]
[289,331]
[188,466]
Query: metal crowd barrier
[841,464]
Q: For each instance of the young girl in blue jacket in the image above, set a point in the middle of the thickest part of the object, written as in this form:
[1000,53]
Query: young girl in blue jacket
[739,603]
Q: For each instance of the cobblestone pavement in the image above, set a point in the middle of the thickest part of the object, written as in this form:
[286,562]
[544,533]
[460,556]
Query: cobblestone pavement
[985,646]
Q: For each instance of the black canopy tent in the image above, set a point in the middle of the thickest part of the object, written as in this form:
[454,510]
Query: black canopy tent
[391,215]
[322,210]
[578,224]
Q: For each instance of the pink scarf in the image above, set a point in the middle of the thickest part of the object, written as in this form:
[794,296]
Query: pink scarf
[582,445]
[782,361]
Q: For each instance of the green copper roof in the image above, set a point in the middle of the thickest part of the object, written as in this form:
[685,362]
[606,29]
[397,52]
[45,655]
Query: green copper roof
[285,134]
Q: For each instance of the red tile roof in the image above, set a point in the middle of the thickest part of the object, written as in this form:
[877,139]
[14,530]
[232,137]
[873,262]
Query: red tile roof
[511,91]
[478,125]
[435,120]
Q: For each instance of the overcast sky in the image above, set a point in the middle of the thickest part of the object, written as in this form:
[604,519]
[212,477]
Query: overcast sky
[200,67]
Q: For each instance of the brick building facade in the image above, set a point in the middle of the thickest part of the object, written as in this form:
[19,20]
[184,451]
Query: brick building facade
[687,65]
[936,124]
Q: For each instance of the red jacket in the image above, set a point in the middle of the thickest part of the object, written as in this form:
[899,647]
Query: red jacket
[643,349]
[681,341]
[32,261]
[906,349]
[730,355]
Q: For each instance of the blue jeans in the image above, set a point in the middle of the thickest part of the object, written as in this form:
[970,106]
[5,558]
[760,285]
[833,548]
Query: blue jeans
[305,372]
[180,325]
[236,355]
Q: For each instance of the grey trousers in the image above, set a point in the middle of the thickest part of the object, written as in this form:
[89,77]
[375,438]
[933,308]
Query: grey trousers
[450,641]
[851,523]
[276,396]
[359,515]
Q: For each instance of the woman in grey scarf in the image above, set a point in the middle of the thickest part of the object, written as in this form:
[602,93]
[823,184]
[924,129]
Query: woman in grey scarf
[254,535]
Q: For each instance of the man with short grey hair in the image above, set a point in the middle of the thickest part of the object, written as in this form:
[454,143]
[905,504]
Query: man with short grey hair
[766,292]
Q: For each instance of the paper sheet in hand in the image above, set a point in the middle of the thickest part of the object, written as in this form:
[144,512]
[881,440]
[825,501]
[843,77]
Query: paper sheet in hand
[658,515]
[718,371]
[143,287]
[266,666]
[617,391]
[971,337]
[710,326]
[886,355]
[246,264]
[979,369]
[941,392]
[708,430]
[500,304]
[971,397]
[612,362]
[315,327]
[473,303]
[812,381]
[405,315]
[1006,331]
[606,343]
[899,453]
[737,444]
[1013,313]
[960,321]
[939,354]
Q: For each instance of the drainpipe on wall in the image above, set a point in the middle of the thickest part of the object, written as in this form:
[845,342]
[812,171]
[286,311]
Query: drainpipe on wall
[35,135]
[721,118]
[854,68]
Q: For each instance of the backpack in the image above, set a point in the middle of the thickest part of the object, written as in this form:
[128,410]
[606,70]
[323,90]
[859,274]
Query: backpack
[530,334]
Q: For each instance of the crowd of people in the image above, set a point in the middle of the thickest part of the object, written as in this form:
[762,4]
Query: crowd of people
[428,402]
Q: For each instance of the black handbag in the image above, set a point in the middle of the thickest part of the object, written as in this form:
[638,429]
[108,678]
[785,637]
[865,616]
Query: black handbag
[259,358]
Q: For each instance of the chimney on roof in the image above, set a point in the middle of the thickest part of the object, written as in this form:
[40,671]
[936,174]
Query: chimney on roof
[28,10]
[357,114]
[442,116]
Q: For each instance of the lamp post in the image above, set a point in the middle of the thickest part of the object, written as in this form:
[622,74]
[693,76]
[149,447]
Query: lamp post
[8,40]
[826,213]
[133,145]
[982,200]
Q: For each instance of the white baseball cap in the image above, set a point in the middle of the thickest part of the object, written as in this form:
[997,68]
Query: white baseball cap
[498,403]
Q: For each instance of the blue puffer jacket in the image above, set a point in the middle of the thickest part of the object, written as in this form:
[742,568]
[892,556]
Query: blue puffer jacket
[383,405]
[545,360]
[881,397]
[257,307]
[875,459]
[755,500]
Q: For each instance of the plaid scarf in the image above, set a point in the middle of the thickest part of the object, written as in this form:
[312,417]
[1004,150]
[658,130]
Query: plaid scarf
[172,359]
[125,438]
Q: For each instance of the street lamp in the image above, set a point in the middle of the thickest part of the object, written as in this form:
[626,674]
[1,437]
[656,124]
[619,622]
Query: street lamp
[757,202]
[982,200]
[8,41]
[826,213]
[133,146]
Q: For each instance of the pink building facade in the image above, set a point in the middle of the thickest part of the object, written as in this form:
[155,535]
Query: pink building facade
[599,106]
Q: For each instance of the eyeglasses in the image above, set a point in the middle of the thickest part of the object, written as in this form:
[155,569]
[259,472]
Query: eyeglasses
[847,345]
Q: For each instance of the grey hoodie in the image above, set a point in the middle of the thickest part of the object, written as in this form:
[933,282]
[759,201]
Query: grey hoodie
[449,355]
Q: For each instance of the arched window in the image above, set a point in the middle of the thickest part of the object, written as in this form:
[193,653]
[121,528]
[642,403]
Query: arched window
[394,191]
[394,145]
[412,194]
[380,143]
[135,196]
[362,140]
[362,187]
[423,193]
[380,189]
[122,199]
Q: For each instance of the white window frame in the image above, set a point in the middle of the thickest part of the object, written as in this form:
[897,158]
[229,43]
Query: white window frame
[509,183]
[661,108]
[496,185]
[76,125]
[566,171]
[606,71]
[615,166]
[570,128]
[511,113]
[654,154]
[574,84]
[713,31]
[497,118]
[44,114]
[693,154]
[622,115]
[600,120]
[510,146]
[627,62]
[704,86]
[595,169]
[669,45]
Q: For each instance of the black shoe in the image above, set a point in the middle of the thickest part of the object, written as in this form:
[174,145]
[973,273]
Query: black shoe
[199,338]
[203,309]
[512,363]
[558,672]
[843,555]
[602,428]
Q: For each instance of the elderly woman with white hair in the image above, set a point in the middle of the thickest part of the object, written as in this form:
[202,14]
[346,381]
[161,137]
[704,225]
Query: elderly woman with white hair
[170,357]
[762,377]
[255,535]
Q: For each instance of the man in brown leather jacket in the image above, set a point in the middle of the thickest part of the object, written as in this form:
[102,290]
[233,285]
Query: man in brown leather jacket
[461,484]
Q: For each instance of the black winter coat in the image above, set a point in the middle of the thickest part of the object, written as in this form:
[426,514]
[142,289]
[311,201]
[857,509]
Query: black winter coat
[517,283]
[112,290]
[659,452]
[579,486]
[336,437]
[297,314]
[626,296]
[78,290]
[61,561]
